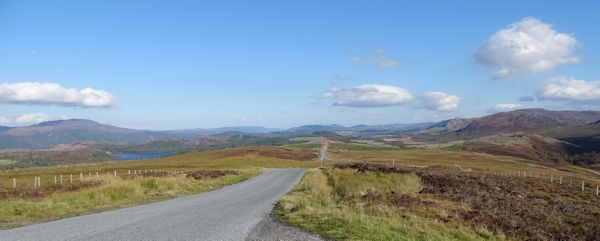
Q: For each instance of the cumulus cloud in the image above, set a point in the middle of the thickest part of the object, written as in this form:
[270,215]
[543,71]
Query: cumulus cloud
[563,88]
[527,47]
[506,107]
[4,120]
[369,95]
[377,58]
[440,101]
[54,94]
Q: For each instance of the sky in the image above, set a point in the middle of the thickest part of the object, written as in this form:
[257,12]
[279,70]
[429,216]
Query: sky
[202,64]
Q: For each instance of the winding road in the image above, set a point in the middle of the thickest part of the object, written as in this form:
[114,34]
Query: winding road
[229,213]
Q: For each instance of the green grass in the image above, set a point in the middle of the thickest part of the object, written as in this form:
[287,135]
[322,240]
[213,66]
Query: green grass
[452,148]
[316,205]
[360,147]
[308,146]
[6,162]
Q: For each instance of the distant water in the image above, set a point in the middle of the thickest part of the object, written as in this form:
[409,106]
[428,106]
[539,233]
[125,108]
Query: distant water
[132,156]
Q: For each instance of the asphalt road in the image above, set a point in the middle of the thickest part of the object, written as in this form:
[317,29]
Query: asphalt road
[230,213]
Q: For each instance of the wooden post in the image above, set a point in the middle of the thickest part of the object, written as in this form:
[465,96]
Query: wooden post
[71,178]
[582,185]
[89,174]
[393,162]
[81,176]
[60,178]
[128,172]
[115,173]
[571,182]
[39,181]
[34,182]
[538,175]
[54,179]
[596,190]
[560,182]
[96,174]
[14,182]
[551,177]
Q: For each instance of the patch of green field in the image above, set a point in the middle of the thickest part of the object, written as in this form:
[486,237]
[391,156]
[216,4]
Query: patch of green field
[452,148]
[360,147]
[308,146]
[6,162]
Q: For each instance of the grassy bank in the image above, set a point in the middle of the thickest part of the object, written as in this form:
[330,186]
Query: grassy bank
[104,193]
[372,201]
[331,202]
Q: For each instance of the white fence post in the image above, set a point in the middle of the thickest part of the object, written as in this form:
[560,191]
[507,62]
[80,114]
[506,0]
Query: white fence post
[39,181]
[81,176]
[560,182]
[96,174]
[60,178]
[54,179]
[71,178]
[35,182]
[128,172]
[14,182]
[582,185]
[551,177]
[115,173]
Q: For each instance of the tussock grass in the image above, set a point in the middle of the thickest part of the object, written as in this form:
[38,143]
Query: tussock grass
[319,204]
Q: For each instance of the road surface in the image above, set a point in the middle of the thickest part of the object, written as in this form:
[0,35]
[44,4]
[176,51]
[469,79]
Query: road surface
[229,213]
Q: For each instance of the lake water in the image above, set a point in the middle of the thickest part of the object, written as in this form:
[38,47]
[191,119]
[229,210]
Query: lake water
[132,156]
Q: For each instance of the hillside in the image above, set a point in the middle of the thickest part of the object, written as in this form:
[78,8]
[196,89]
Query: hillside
[46,134]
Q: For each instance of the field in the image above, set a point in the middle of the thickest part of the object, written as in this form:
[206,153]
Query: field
[371,201]
[478,162]
[136,181]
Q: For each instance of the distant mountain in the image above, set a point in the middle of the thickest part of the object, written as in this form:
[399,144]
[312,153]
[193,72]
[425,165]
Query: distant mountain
[52,133]
[46,134]
[527,120]
[191,133]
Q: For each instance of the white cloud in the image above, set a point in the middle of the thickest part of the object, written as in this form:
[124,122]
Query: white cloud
[370,95]
[527,47]
[377,58]
[440,101]
[506,107]
[563,88]
[50,93]
[4,120]
[34,118]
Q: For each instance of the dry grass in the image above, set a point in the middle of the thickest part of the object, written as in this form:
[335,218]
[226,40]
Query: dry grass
[318,205]
[112,192]
[370,201]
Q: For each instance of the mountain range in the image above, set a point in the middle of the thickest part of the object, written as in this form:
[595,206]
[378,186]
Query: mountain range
[559,124]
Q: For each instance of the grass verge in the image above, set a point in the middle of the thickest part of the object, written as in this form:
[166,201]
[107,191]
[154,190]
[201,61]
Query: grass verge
[332,202]
[109,193]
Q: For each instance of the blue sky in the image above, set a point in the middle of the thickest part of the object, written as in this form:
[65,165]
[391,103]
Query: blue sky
[191,64]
